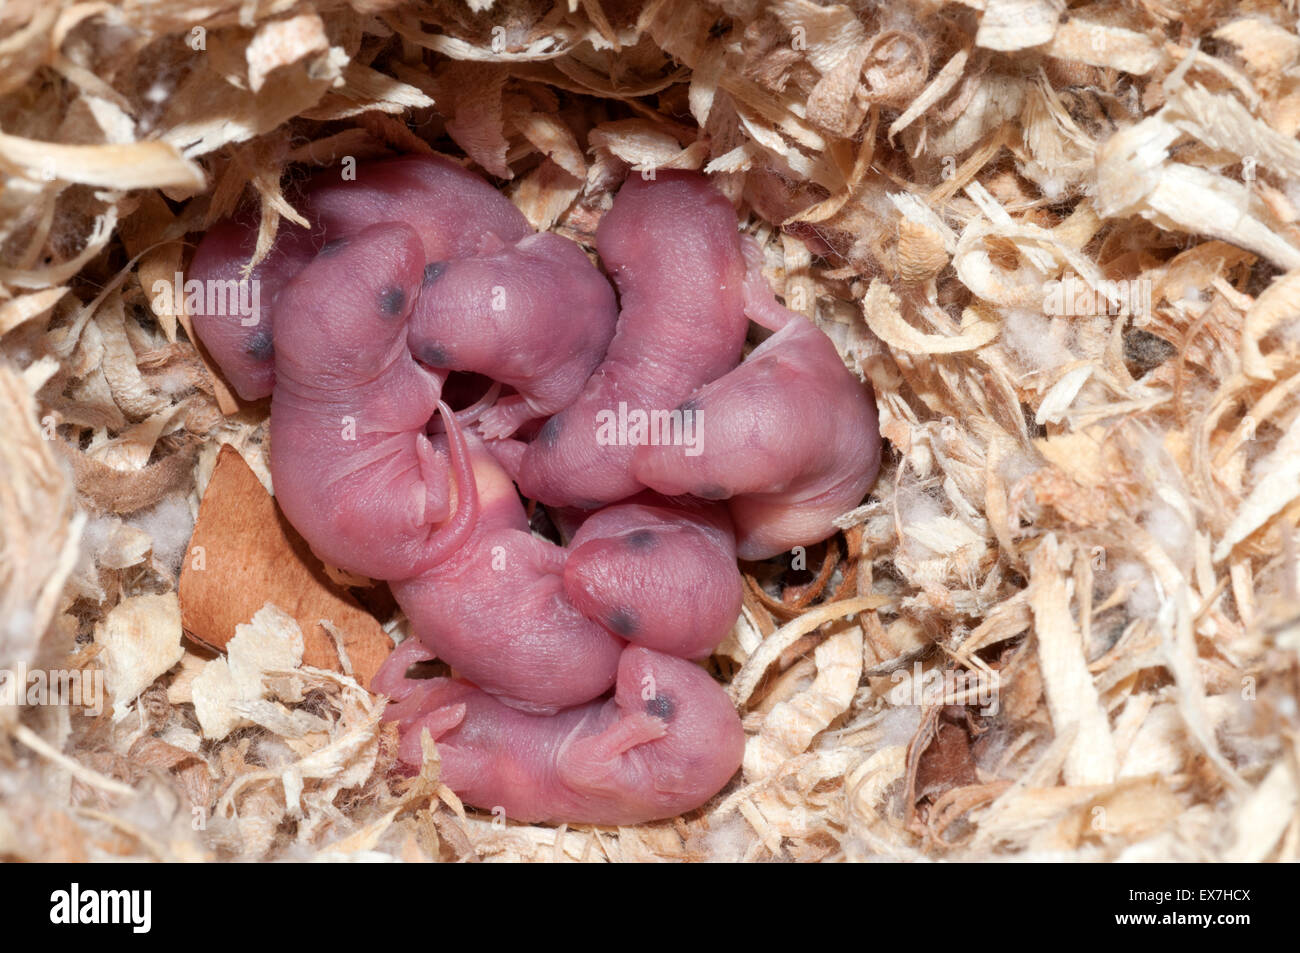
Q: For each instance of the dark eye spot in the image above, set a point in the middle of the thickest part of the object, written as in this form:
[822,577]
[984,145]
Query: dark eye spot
[622,622]
[433,271]
[641,539]
[659,707]
[259,346]
[432,355]
[712,492]
[332,247]
[391,301]
[550,431]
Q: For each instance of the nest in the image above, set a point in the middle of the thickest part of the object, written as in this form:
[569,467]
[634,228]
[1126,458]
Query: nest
[1060,244]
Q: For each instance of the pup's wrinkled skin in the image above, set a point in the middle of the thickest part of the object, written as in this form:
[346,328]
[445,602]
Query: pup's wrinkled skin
[666,742]
[672,248]
[243,344]
[791,436]
[497,612]
[352,467]
[660,575]
[535,315]
[453,211]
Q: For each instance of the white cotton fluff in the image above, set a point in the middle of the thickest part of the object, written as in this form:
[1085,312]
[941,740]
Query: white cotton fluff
[170,524]
[1037,341]
[898,725]
[1169,528]
[728,839]
[1144,600]
[272,751]
[916,507]
[1192,298]
[93,539]
[173,380]
[1055,188]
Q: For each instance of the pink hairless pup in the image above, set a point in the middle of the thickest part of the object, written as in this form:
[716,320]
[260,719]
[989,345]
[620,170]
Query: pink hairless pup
[535,315]
[672,248]
[792,437]
[453,211]
[659,574]
[353,470]
[666,742]
[497,612]
[233,315]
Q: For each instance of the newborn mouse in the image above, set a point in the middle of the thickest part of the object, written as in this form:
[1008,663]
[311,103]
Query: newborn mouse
[792,438]
[660,574]
[535,315]
[672,248]
[453,211]
[352,468]
[666,742]
[497,612]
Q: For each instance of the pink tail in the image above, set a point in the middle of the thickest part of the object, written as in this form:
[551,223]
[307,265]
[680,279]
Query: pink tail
[761,306]
[454,533]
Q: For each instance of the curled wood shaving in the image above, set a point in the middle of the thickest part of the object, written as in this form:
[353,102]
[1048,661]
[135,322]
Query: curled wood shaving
[790,727]
[135,165]
[882,310]
[747,679]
